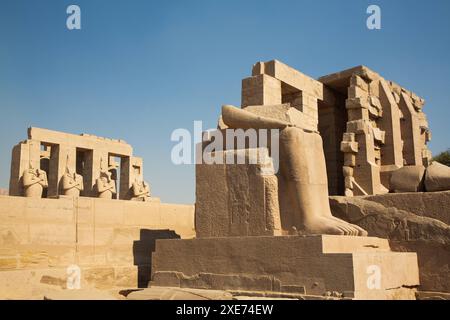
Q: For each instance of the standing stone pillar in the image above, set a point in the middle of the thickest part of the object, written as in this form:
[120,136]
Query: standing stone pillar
[96,162]
[410,127]
[131,169]
[61,157]
[367,173]
[391,150]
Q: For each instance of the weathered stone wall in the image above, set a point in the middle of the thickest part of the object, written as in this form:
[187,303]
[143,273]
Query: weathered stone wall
[110,240]
[414,222]
[426,204]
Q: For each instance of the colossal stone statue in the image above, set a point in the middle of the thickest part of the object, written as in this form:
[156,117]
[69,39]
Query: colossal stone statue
[34,182]
[302,165]
[72,183]
[106,186]
[140,190]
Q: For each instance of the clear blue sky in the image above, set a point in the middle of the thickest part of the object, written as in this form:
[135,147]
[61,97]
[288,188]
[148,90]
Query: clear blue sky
[140,69]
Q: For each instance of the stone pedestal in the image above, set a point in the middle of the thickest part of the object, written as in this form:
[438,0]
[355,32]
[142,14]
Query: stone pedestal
[347,267]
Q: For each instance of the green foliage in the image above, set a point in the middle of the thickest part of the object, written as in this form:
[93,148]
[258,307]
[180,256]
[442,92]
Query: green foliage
[443,157]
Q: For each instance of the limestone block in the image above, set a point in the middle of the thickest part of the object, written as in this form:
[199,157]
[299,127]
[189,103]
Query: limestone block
[101,277]
[125,276]
[359,82]
[375,101]
[180,215]
[432,295]
[347,171]
[261,90]
[12,209]
[374,88]
[396,88]
[12,235]
[390,123]
[96,283]
[433,257]
[388,222]
[423,121]
[424,204]
[159,293]
[349,182]
[308,105]
[142,213]
[349,159]
[368,74]
[357,92]
[348,137]
[120,255]
[357,114]
[293,78]
[81,294]
[401,217]
[375,112]
[84,141]
[336,263]
[279,112]
[109,212]
[358,126]
[379,135]
[437,177]
[50,211]
[286,112]
[407,179]
[90,255]
[357,103]
[241,195]
[349,147]
[52,233]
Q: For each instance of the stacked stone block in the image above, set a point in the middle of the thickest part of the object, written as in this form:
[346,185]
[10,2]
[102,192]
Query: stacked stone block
[388,125]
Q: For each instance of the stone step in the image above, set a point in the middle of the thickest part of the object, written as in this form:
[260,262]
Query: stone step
[354,267]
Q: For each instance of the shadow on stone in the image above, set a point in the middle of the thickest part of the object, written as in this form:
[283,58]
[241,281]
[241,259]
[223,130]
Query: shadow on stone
[143,249]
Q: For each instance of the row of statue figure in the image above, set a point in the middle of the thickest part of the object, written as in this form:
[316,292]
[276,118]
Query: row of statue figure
[35,182]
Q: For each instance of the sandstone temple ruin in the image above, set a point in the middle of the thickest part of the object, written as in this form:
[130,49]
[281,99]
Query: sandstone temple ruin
[89,158]
[357,195]
[370,126]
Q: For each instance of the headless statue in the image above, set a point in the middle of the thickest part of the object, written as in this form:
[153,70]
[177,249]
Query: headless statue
[34,182]
[106,186]
[141,190]
[72,183]
[302,165]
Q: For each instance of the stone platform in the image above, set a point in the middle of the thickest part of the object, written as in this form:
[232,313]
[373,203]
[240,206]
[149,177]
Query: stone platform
[346,267]
[110,240]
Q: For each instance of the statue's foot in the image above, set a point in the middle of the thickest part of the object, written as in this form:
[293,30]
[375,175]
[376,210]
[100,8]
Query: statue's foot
[335,226]
[356,230]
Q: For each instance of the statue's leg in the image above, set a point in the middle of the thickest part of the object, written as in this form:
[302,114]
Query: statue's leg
[302,163]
